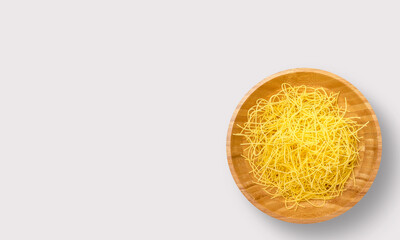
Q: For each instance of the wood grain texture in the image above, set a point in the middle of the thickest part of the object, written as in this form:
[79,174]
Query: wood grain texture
[370,153]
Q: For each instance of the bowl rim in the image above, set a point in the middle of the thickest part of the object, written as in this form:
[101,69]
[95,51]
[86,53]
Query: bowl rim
[344,208]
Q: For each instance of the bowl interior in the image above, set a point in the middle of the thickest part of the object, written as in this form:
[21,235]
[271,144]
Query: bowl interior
[370,144]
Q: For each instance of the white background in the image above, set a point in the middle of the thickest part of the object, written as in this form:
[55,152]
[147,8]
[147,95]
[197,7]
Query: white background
[114,114]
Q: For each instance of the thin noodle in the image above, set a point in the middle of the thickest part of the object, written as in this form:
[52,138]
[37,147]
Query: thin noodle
[300,146]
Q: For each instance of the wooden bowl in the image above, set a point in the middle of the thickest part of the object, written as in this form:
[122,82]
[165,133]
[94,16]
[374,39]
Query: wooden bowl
[370,153]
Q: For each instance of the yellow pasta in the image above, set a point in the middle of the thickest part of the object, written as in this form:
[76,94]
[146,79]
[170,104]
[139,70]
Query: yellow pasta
[300,145]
